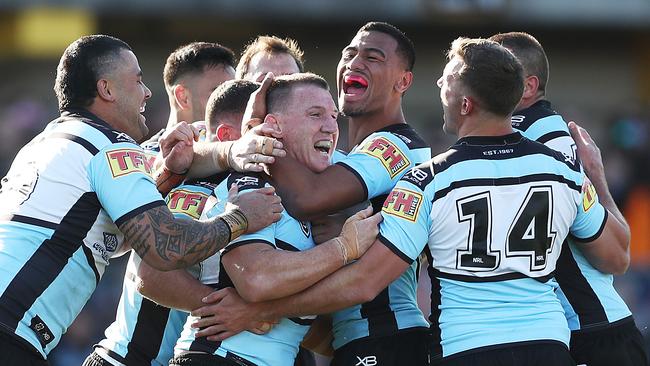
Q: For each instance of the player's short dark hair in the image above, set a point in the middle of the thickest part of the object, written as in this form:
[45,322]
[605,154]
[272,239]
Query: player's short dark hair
[529,52]
[230,97]
[405,47]
[492,74]
[193,58]
[283,85]
[82,64]
[269,44]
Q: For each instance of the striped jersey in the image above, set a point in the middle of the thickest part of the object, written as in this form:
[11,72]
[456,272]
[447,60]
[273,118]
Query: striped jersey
[379,161]
[587,295]
[493,213]
[279,346]
[64,197]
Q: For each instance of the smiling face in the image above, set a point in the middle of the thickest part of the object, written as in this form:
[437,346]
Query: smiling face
[367,73]
[130,96]
[308,124]
[451,95]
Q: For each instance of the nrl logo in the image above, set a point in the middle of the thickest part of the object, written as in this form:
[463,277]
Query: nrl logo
[110,241]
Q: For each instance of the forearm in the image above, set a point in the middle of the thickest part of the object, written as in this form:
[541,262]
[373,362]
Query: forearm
[209,158]
[174,289]
[605,197]
[274,274]
[168,243]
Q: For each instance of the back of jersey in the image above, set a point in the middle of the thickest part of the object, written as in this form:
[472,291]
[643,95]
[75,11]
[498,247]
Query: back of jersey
[495,211]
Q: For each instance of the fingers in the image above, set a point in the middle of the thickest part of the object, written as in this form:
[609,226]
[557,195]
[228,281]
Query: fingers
[376,218]
[232,192]
[220,337]
[266,145]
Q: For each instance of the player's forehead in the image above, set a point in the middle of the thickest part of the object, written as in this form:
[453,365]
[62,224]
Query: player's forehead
[373,40]
[310,96]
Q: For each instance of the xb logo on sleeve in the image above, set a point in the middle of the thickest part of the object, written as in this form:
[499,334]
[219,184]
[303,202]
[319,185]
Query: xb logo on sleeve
[366,361]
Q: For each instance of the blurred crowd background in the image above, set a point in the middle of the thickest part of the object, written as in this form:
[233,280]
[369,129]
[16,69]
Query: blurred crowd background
[599,52]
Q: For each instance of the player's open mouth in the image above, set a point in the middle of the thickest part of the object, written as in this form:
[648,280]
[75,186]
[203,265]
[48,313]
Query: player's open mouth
[354,85]
[324,146]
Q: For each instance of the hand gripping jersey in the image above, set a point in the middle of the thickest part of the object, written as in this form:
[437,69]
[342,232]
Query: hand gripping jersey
[494,212]
[587,295]
[62,201]
[279,346]
[144,333]
[379,161]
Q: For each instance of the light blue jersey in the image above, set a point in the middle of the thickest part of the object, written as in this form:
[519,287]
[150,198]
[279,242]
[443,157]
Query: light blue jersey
[145,333]
[379,161]
[64,197]
[494,212]
[279,346]
[588,296]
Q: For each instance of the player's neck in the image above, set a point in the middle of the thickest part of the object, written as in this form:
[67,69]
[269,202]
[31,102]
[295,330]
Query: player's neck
[486,127]
[359,127]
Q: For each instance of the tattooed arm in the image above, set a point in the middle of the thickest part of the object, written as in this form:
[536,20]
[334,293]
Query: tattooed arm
[168,243]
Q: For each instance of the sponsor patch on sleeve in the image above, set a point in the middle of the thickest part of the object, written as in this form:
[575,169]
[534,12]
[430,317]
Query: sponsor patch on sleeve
[127,161]
[391,157]
[403,203]
[589,195]
[187,202]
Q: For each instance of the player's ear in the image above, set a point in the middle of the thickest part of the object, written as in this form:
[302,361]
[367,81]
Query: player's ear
[104,90]
[181,96]
[466,106]
[226,132]
[404,82]
[531,86]
[273,120]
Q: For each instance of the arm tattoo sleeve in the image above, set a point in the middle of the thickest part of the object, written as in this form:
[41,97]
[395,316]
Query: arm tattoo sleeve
[178,243]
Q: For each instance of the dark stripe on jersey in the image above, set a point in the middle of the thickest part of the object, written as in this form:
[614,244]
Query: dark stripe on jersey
[83,115]
[434,317]
[246,181]
[497,278]
[551,136]
[577,290]
[597,234]
[482,148]
[358,176]
[525,118]
[281,244]
[91,262]
[139,210]
[407,134]
[238,244]
[30,221]
[210,182]
[378,203]
[394,249]
[495,182]
[381,319]
[48,261]
[81,141]
[148,333]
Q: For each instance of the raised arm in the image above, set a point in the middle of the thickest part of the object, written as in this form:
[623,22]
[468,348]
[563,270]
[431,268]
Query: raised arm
[610,252]
[168,243]
[260,272]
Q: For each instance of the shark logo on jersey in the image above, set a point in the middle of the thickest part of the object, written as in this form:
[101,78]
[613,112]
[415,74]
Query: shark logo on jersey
[187,202]
[391,157]
[110,241]
[589,195]
[305,228]
[127,161]
[403,203]
[121,136]
[246,181]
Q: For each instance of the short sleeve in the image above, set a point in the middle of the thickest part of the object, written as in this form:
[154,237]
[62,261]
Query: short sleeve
[591,216]
[378,162]
[120,175]
[405,228]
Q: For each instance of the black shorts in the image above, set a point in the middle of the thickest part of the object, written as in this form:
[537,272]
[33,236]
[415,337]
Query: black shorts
[406,347]
[204,359]
[533,353]
[15,352]
[619,344]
